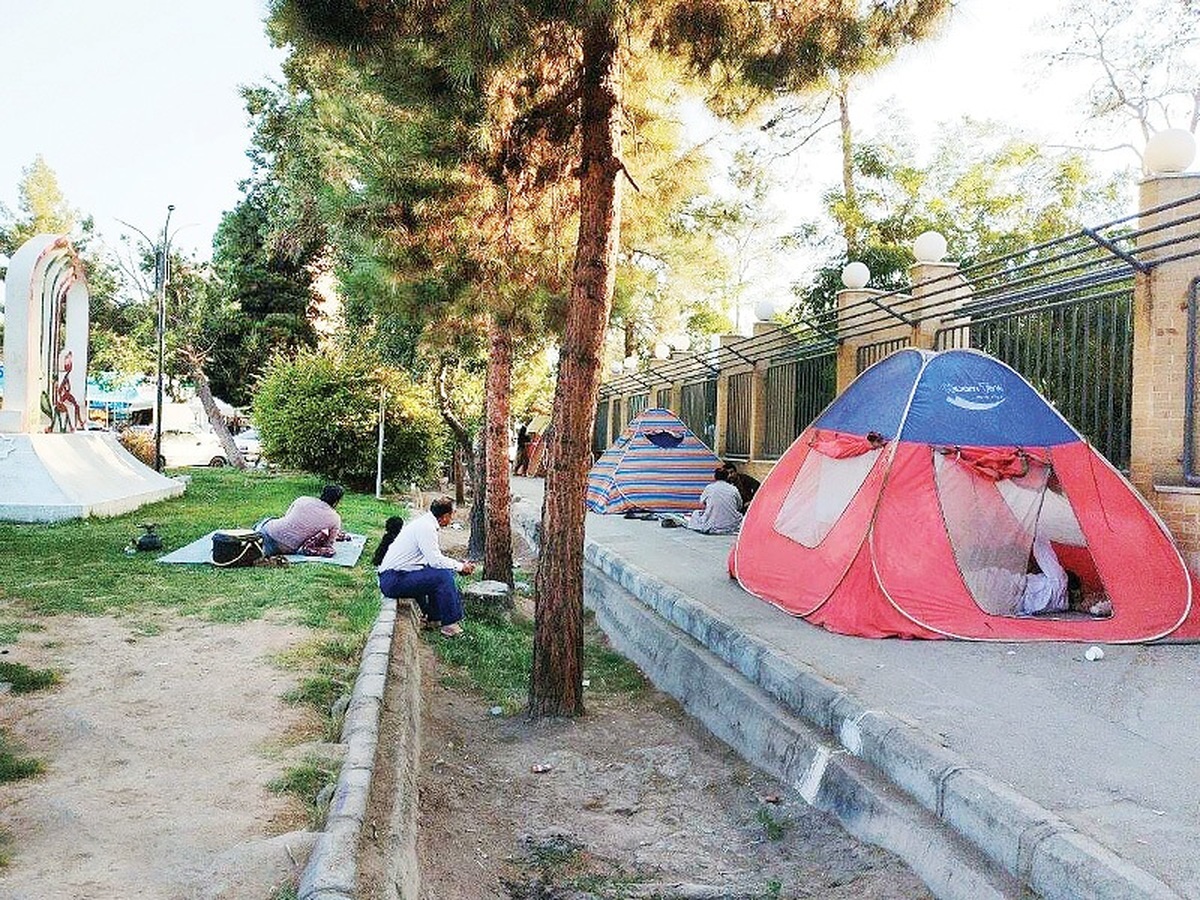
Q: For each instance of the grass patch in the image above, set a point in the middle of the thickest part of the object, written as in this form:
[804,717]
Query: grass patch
[24,679]
[6,848]
[328,597]
[306,782]
[14,766]
[284,892]
[496,655]
[11,629]
[773,827]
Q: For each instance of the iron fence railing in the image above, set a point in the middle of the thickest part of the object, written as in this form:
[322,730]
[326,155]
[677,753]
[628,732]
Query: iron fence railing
[796,392]
[600,429]
[637,405]
[737,415]
[869,354]
[618,424]
[1067,299]
[663,398]
[698,409]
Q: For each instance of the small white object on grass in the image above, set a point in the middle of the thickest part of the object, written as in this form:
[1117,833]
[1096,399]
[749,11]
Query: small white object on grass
[1093,653]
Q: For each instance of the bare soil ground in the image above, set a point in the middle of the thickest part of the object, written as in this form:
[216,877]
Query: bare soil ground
[159,746]
[633,800]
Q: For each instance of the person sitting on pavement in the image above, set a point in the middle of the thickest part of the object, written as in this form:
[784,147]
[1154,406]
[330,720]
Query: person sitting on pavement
[747,485]
[720,509]
[310,523]
[413,566]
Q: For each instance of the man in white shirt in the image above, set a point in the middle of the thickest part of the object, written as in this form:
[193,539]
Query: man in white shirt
[414,567]
[720,507]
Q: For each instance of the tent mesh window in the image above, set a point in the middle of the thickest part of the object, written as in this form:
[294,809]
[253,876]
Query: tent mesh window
[991,529]
[820,493]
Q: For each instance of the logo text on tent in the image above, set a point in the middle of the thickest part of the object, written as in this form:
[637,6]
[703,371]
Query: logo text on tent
[978,396]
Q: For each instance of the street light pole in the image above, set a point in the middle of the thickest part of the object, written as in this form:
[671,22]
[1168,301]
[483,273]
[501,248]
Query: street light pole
[162,263]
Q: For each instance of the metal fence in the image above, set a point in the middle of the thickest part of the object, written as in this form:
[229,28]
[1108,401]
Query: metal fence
[698,409]
[1058,312]
[797,391]
[637,405]
[1078,353]
[617,422]
[737,415]
[663,398]
[600,429]
[869,354]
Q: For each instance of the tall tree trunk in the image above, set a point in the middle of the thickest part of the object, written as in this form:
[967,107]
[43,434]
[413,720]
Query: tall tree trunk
[476,543]
[850,226]
[194,360]
[462,437]
[556,683]
[498,557]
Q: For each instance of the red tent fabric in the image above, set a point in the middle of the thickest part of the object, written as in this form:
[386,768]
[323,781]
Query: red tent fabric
[910,506]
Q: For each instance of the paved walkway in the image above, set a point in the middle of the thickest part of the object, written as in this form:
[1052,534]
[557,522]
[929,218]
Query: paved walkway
[1111,746]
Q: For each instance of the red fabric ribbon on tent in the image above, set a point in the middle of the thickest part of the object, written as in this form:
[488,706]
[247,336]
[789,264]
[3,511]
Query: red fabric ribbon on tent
[836,445]
[997,463]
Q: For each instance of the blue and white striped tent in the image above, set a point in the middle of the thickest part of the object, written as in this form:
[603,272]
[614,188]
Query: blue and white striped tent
[656,465]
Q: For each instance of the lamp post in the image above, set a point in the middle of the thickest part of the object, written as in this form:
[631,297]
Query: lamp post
[162,271]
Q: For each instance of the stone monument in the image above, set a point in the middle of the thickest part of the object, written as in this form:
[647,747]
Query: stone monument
[51,466]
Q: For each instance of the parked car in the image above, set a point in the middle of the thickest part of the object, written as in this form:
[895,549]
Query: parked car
[192,448]
[249,445]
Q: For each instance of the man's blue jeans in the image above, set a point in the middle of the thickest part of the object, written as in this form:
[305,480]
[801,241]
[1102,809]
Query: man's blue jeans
[433,589]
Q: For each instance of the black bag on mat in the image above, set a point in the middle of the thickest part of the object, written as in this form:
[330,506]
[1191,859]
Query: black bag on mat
[236,547]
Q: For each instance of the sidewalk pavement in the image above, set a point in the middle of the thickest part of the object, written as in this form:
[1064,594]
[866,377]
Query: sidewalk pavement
[1112,746]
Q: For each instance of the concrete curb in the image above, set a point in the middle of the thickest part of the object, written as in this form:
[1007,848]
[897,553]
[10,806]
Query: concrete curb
[1039,849]
[332,869]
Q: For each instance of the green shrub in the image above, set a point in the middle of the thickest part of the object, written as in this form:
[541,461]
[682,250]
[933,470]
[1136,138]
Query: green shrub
[318,412]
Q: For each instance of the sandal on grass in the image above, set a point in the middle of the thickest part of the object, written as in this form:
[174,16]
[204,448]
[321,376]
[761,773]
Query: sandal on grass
[451,631]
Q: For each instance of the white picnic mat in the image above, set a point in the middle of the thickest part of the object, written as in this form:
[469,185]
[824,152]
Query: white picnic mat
[200,551]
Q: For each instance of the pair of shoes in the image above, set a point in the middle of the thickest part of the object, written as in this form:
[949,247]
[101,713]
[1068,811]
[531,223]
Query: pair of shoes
[672,523]
[451,631]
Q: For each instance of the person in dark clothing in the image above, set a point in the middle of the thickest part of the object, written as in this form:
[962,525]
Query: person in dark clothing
[521,466]
[747,485]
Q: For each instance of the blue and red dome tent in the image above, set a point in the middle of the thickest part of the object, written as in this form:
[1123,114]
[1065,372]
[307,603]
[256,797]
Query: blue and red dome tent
[910,506]
[656,465]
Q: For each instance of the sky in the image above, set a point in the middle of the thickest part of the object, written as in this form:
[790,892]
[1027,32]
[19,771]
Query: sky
[135,104]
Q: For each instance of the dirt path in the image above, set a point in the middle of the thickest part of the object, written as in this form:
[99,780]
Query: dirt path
[159,748]
[633,800]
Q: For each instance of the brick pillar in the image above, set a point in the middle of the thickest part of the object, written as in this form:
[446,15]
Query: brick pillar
[1159,360]
[937,291]
[850,312]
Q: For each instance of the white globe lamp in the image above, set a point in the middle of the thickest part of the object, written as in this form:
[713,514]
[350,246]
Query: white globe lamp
[631,363]
[764,310]
[615,368]
[1170,150]
[929,247]
[855,276]
[662,350]
[680,341]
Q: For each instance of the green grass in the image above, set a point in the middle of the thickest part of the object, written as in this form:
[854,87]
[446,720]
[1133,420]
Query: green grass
[496,655]
[774,828]
[24,679]
[14,766]
[305,782]
[79,567]
[284,892]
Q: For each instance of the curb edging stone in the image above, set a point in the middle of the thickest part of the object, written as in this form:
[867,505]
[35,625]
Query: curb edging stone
[332,869]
